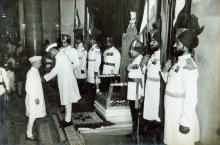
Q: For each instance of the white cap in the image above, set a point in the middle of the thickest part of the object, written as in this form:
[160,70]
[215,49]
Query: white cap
[51,46]
[35,58]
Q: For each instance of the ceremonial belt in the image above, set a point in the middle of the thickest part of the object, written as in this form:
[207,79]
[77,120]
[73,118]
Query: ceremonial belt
[174,95]
[111,64]
[153,79]
[138,81]
[91,59]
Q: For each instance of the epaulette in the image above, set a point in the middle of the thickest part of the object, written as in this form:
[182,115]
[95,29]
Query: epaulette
[189,64]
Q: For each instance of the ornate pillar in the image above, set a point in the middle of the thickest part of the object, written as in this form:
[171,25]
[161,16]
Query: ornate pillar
[33,27]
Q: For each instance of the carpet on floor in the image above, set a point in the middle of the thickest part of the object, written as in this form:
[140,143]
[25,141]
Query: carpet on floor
[89,120]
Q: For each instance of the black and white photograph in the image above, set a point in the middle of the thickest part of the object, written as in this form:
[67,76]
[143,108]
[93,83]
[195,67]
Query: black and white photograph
[109,72]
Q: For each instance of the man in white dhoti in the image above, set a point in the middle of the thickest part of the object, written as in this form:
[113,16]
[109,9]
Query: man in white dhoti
[181,122]
[34,101]
[67,83]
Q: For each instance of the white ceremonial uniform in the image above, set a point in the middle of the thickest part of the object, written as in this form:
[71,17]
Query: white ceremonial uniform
[81,70]
[3,80]
[94,62]
[34,90]
[11,79]
[112,60]
[72,56]
[152,88]
[136,73]
[180,102]
[68,87]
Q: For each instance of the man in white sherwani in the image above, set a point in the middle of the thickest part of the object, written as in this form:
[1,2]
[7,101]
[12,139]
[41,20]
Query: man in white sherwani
[94,62]
[135,88]
[81,71]
[67,83]
[152,87]
[112,60]
[181,122]
[34,101]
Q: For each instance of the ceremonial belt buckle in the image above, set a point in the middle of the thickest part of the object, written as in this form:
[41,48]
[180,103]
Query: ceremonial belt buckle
[111,64]
[174,95]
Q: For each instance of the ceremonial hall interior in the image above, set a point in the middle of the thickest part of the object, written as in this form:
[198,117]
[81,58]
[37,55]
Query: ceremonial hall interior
[70,72]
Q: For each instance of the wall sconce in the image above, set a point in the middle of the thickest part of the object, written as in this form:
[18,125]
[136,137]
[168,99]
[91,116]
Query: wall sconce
[57,25]
[23,26]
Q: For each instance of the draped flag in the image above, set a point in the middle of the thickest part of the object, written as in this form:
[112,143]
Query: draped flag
[149,16]
[151,11]
[77,19]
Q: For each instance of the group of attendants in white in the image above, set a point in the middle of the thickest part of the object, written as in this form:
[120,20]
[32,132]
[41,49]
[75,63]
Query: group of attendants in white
[144,75]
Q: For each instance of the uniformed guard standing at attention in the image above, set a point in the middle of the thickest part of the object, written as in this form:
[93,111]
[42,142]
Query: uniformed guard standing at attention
[81,71]
[181,122]
[112,60]
[152,87]
[94,62]
[135,88]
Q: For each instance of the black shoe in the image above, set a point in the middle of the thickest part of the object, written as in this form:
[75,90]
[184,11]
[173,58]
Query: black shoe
[62,122]
[32,138]
[66,124]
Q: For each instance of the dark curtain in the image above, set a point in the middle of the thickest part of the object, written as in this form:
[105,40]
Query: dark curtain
[112,17]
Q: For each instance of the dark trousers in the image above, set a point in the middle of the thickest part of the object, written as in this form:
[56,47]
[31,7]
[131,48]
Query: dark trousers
[153,130]
[82,86]
[91,93]
[105,83]
[3,107]
[134,115]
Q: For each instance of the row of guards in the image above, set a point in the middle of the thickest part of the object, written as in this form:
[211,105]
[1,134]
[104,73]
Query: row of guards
[171,19]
